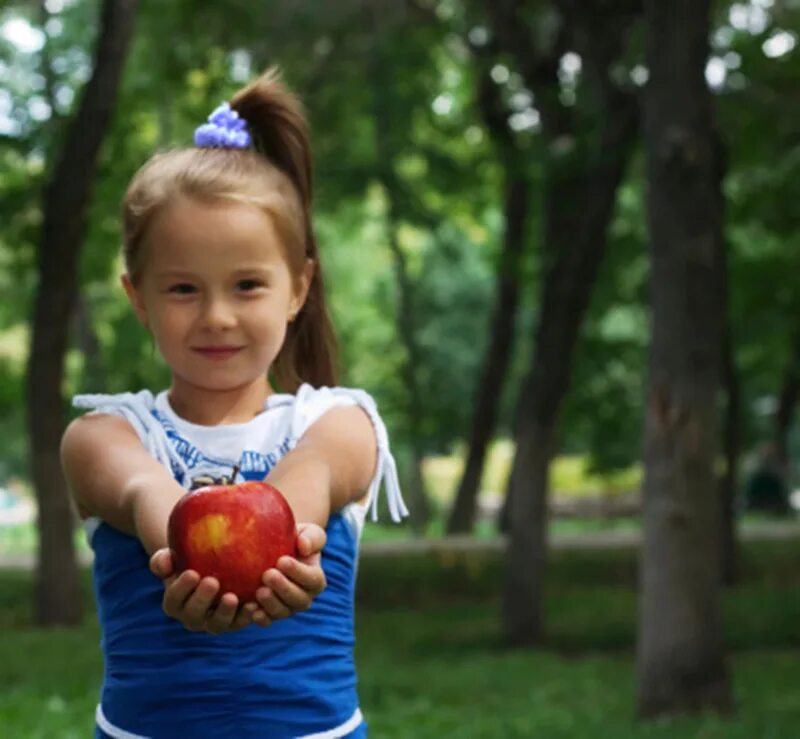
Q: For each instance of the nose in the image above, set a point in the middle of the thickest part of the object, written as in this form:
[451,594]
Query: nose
[218,313]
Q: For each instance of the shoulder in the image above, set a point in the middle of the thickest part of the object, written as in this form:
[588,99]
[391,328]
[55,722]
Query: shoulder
[341,422]
[307,395]
[91,441]
[343,426]
[117,403]
[95,430]
[117,421]
[344,437]
[310,404]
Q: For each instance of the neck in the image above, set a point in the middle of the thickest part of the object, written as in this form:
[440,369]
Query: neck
[207,407]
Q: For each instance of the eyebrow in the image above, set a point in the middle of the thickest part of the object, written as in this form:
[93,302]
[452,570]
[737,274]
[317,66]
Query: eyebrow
[261,268]
[176,273]
[170,276]
[188,274]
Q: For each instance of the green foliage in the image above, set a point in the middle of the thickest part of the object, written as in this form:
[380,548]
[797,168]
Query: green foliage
[758,123]
[391,100]
[571,476]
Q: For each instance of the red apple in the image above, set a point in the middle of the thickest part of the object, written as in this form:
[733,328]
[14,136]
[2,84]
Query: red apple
[233,533]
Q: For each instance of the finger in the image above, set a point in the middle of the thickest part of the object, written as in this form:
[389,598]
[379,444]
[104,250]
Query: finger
[308,575]
[261,619]
[273,606]
[294,597]
[161,563]
[195,609]
[178,591]
[310,539]
[221,618]
[244,616]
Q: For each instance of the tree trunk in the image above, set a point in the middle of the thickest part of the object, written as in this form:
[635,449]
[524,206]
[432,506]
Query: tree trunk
[94,375]
[503,324]
[579,199]
[577,244]
[731,440]
[787,403]
[418,504]
[731,425]
[66,199]
[497,358]
[526,557]
[681,659]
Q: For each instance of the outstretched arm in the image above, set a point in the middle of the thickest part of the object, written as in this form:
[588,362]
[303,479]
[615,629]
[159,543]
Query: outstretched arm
[113,477]
[331,466]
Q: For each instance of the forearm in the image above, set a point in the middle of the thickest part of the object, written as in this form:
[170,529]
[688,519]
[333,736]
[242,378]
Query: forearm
[141,508]
[304,478]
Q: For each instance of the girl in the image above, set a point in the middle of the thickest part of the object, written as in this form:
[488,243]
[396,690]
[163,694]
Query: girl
[222,269]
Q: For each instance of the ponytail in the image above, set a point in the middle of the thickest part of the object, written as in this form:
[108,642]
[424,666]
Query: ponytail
[309,350]
[279,130]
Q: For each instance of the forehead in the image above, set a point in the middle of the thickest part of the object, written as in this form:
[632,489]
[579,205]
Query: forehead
[196,233]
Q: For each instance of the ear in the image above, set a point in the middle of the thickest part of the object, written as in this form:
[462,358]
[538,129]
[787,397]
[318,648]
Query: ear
[302,286]
[135,298]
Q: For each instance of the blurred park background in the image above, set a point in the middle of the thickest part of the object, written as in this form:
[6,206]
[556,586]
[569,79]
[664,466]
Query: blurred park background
[561,244]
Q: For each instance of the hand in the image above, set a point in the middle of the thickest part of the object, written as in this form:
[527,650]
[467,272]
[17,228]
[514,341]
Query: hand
[293,584]
[190,599]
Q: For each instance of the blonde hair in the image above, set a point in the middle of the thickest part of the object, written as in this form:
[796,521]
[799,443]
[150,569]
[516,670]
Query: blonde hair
[274,175]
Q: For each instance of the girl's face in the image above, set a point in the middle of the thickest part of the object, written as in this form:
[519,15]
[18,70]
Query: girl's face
[217,294]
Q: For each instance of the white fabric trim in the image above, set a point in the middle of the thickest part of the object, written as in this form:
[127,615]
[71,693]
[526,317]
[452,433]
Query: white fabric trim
[90,525]
[355,515]
[112,730]
[352,723]
[342,730]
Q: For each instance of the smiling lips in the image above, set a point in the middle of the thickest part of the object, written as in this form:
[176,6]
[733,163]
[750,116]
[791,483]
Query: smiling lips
[218,353]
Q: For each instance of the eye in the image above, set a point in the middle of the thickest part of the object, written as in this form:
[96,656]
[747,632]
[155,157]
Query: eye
[249,285]
[182,288]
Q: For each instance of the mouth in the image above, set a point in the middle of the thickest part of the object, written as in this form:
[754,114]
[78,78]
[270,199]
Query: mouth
[217,353]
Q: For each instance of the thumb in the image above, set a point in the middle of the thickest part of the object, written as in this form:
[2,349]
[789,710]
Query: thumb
[161,563]
[310,539]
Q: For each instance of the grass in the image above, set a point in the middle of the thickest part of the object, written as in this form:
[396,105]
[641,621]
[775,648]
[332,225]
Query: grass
[431,664]
[463,685]
[49,682]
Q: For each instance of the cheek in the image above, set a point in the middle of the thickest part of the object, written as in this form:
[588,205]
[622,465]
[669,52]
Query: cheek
[270,326]
[273,326]
[169,325]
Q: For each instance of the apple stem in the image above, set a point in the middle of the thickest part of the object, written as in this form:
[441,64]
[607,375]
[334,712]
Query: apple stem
[234,473]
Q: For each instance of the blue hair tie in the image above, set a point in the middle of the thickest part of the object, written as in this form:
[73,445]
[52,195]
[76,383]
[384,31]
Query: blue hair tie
[225,129]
